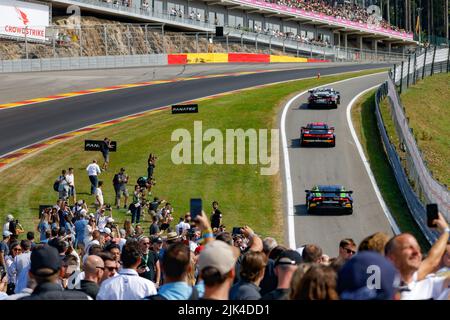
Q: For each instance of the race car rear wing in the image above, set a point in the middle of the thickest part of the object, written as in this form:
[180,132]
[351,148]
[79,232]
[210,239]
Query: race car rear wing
[335,192]
[306,128]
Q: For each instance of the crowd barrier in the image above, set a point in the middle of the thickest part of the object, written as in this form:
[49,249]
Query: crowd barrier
[426,189]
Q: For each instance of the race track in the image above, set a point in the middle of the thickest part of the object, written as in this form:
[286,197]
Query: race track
[339,165]
[26,125]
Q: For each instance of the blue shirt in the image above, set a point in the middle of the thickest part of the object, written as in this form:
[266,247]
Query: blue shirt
[22,279]
[200,286]
[80,229]
[43,226]
[244,290]
[4,248]
[176,291]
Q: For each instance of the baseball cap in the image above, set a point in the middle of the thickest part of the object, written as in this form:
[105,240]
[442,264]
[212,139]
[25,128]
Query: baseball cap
[9,217]
[157,240]
[6,233]
[219,255]
[353,278]
[83,212]
[45,257]
[107,230]
[288,257]
[109,219]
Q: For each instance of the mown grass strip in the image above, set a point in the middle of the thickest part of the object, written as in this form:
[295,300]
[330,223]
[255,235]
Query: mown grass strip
[427,106]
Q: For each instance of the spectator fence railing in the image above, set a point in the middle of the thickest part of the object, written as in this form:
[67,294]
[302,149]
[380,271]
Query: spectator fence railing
[415,180]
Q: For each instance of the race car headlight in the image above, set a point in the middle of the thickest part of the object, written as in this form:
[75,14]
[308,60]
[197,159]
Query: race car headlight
[313,204]
[348,205]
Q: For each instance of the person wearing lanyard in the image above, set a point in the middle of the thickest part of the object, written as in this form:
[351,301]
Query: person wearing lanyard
[127,285]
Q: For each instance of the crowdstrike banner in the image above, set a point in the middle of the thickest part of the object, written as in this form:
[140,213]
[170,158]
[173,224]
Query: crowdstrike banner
[23,19]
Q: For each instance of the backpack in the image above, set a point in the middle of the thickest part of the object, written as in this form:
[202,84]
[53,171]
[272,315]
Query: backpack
[142,182]
[116,179]
[194,296]
[56,185]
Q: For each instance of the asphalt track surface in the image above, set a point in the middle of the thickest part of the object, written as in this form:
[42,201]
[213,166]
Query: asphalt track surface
[339,165]
[26,125]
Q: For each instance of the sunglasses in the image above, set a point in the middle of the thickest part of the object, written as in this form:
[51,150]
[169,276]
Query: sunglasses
[17,249]
[349,251]
[110,269]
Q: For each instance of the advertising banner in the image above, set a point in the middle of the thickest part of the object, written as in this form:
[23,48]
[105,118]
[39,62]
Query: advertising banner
[23,19]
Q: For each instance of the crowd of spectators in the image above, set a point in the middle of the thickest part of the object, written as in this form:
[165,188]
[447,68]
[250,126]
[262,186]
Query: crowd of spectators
[344,11]
[82,255]
[81,252]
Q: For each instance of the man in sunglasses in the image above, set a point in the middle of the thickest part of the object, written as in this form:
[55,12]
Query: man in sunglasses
[110,264]
[347,249]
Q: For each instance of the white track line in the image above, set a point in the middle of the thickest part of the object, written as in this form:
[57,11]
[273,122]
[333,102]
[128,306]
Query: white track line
[388,214]
[287,167]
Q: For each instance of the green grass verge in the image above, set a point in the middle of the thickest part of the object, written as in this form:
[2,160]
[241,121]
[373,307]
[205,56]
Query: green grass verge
[245,196]
[427,105]
[365,124]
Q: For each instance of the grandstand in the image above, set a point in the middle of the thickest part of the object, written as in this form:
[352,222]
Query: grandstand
[301,26]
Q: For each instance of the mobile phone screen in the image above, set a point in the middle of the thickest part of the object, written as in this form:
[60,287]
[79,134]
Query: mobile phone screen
[195,208]
[432,214]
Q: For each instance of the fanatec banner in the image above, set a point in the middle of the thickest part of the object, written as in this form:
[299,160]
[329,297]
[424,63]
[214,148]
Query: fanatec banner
[23,19]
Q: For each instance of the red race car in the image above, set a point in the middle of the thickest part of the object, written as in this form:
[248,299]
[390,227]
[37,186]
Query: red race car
[317,133]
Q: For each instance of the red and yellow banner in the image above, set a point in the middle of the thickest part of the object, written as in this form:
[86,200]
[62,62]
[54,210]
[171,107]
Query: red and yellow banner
[195,58]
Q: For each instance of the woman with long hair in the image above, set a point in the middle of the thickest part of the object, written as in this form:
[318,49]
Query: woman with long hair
[318,283]
[129,230]
[43,225]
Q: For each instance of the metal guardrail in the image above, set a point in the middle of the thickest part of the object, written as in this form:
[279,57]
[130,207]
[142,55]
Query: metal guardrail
[416,208]
[426,189]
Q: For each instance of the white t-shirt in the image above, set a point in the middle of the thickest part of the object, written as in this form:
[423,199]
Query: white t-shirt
[93,169]
[101,221]
[184,226]
[6,227]
[429,288]
[87,234]
[99,196]
[70,179]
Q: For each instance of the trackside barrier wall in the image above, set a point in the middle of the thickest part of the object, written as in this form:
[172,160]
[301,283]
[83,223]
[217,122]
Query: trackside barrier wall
[105,62]
[193,58]
[77,63]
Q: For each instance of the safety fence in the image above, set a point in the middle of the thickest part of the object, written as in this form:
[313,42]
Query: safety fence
[414,179]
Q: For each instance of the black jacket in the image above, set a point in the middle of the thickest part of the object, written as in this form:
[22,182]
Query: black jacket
[90,288]
[53,291]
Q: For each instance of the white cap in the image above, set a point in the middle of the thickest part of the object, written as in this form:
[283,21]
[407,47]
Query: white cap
[6,233]
[300,250]
[219,255]
[9,218]
[106,230]
[109,219]
[83,212]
